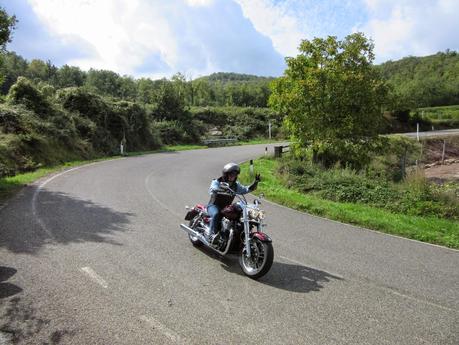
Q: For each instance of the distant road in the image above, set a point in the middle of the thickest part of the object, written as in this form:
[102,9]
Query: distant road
[434,134]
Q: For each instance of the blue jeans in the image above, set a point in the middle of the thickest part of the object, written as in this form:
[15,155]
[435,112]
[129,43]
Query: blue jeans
[215,218]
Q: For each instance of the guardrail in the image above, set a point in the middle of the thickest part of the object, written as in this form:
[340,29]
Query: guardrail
[219,141]
[279,150]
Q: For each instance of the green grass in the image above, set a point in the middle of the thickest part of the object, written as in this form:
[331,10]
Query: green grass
[427,229]
[443,113]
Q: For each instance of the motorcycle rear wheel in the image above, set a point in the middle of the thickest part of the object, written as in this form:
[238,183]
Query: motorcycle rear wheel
[261,260]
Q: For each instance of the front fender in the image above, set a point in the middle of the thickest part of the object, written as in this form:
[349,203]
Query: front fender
[262,236]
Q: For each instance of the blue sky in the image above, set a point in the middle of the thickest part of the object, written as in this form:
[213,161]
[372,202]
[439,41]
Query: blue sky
[157,38]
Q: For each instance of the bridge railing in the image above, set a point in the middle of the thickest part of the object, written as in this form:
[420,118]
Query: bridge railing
[219,141]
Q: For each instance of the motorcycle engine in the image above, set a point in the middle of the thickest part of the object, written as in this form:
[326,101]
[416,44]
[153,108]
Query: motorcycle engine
[226,225]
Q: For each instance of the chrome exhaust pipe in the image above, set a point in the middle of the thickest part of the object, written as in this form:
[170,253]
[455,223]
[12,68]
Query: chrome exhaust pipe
[192,232]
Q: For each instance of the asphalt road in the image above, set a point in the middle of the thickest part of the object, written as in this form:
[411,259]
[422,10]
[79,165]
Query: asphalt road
[95,256]
[434,134]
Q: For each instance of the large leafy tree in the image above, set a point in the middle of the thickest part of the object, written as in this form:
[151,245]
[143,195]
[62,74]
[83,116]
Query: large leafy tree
[7,24]
[332,98]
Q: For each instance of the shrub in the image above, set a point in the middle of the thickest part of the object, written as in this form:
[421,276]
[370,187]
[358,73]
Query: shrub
[416,196]
[24,92]
[244,123]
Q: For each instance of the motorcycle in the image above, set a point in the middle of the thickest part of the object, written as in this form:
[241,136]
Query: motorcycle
[241,231]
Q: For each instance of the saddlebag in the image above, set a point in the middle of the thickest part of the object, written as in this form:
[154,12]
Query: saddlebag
[191,214]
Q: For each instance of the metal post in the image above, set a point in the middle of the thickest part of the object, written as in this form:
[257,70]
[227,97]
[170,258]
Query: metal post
[404,165]
[251,168]
[443,153]
[122,149]
[417,131]
[266,150]
[269,125]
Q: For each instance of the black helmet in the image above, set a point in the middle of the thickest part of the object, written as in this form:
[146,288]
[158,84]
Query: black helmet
[231,168]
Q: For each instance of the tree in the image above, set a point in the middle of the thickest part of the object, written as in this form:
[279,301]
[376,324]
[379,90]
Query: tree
[104,82]
[170,103]
[12,67]
[39,70]
[7,25]
[332,98]
[68,76]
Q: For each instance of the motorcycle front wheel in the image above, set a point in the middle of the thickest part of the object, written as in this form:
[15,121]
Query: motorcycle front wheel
[260,261]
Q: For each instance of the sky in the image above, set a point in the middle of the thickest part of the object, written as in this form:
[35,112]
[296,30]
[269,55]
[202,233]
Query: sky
[158,38]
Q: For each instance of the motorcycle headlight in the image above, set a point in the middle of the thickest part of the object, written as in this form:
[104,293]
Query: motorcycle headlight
[256,214]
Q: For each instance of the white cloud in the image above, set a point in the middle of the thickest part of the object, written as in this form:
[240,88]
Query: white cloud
[196,37]
[199,2]
[120,41]
[287,22]
[411,27]
[158,38]
[275,22]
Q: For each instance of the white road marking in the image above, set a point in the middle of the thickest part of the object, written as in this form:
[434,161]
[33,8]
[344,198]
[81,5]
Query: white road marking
[147,181]
[166,331]
[394,292]
[34,202]
[94,276]
[44,183]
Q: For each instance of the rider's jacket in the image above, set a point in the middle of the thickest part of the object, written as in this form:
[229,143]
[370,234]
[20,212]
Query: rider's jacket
[222,198]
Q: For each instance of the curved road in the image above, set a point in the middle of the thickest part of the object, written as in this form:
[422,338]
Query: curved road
[95,256]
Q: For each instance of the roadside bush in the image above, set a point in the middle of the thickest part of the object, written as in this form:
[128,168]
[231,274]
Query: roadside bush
[243,122]
[171,132]
[25,93]
[28,141]
[416,196]
[106,123]
[393,152]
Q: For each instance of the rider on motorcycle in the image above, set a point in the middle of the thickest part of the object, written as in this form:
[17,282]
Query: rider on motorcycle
[220,198]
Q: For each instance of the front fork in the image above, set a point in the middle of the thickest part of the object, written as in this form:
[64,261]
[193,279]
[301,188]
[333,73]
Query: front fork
[246,232]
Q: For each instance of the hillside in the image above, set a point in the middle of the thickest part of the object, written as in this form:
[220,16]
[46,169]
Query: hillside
[424,81]
[234,77]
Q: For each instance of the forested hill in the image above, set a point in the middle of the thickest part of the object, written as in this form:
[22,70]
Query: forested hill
[235,77]
[425,81]
[417,82]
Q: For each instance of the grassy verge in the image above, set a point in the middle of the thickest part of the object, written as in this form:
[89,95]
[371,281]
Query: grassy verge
[427,229]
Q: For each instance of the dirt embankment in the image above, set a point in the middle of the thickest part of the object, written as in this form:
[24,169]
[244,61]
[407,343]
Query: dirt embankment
[441,168]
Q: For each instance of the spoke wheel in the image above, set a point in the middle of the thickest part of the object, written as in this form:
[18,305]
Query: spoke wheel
[260,261]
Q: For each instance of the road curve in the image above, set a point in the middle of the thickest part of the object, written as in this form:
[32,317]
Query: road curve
[95,256]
